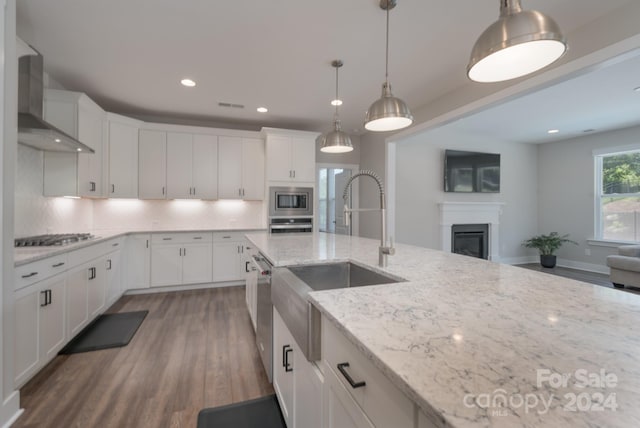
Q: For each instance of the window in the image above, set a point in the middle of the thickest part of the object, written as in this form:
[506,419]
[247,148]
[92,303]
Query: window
[618,196]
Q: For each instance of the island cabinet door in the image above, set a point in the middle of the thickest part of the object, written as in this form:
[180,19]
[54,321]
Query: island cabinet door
[340,410]
[283,368]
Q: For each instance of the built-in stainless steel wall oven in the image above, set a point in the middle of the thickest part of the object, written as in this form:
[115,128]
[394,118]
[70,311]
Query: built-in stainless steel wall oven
[264,315]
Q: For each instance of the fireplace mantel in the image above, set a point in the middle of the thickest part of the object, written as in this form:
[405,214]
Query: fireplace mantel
[471,213]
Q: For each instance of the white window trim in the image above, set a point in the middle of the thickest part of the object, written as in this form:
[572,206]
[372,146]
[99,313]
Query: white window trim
[598,154]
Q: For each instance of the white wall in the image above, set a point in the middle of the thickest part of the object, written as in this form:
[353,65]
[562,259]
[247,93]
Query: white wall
[566,181]
[372,157]
[9,399]
[420,187]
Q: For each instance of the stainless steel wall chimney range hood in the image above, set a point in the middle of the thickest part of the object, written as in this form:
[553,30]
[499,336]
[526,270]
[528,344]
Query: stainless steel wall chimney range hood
[33,131]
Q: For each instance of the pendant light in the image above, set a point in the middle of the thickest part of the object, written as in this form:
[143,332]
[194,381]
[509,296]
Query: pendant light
[518,43]
[336,141]
[388,113]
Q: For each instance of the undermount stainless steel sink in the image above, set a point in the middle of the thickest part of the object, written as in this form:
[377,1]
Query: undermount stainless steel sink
[289,293]
[339,275]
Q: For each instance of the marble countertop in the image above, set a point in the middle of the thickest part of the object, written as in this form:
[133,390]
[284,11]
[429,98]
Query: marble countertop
[481,344]
[24,255]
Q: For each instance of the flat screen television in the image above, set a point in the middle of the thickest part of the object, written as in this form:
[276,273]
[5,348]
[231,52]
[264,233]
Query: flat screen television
[469,172]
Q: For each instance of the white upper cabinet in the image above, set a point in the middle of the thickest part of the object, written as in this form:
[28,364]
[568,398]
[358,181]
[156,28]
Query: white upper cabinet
[152,164]
[75,174]
[123,156]
[291,156]
[240,168]
[192,162]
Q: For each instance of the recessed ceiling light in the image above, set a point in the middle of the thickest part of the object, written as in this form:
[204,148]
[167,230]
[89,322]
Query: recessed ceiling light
[262,109]
[188,82]
[637,89]
[79,149]
[336,102]
[553,131]
[57,140]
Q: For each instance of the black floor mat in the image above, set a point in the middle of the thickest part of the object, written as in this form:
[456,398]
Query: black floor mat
[106,331]
[263,412]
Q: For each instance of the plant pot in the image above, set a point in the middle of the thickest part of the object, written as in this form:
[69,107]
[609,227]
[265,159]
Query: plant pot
[547,260]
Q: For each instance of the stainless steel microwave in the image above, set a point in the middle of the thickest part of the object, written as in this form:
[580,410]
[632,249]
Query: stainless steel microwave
[290,201]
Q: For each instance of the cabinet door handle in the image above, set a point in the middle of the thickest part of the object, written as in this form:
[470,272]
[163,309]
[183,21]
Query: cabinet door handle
[162,190]
[58,264]
[294,173]
[43,293]
[242,191]
[180,251]
[48,297]
[93,186]
[239,192]
[287,366]
[92,273]
[246,267]
[147,243]
[113,188]
[30,275]
[184,251]
[284,355]
[342,368]
[194,191]
[109,264]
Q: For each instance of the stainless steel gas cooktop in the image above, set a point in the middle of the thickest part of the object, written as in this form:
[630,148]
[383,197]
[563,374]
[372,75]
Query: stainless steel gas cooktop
[49,240]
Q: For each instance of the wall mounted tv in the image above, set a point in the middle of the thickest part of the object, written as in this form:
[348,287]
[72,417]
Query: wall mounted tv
[471,172]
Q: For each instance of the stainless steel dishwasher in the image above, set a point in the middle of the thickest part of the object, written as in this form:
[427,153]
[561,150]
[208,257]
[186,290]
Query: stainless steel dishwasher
[264,323]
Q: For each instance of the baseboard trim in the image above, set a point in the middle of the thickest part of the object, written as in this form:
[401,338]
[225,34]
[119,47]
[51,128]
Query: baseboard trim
[590,267]
[520,260]
[152,290]
[10,410]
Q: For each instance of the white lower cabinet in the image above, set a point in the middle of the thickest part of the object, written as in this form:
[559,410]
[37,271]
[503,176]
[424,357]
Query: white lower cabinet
[178,259]
[114,277]
[251,282]
[86,288]
[137,262]
[39,326]
[228,256]
[357,393]
[296,381]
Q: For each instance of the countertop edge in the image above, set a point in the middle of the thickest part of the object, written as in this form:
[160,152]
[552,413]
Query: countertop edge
[108,235]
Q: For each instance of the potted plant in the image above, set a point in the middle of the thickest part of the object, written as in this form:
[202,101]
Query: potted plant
[547,246]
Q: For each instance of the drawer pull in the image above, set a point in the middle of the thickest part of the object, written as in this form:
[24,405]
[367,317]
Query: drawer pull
[30,275]
[226,237]
[167,239]
[342,368]
[197,237]
[58,264]
[115,245]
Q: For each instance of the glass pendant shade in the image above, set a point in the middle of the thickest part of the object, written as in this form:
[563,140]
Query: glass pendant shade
[518,43]
[387,113]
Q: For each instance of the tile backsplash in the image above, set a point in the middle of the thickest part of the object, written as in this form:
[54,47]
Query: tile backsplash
[36,214]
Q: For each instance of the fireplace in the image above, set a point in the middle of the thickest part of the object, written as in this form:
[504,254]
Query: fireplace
[470,240]
[472,213]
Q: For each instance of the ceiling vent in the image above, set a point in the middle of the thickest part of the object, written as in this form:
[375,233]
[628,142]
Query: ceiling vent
[231,105]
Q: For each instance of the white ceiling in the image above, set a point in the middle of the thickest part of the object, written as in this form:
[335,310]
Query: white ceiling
[600,100]
[130,55]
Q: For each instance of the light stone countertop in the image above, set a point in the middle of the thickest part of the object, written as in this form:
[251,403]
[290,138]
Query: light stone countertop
[24,255]
[464,335]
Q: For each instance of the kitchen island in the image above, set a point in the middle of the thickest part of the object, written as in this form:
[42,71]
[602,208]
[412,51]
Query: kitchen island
[475,343]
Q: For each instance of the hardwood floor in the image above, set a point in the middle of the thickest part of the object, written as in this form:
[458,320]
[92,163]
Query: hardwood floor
[580,275]
[195,349]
